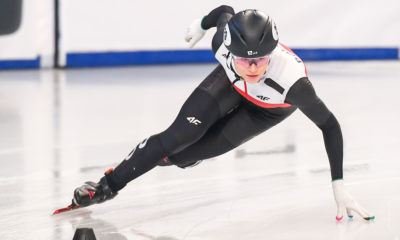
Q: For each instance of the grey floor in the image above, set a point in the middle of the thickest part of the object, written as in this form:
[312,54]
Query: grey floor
[61,128]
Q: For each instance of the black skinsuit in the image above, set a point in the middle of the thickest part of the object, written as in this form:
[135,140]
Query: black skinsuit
[216,118]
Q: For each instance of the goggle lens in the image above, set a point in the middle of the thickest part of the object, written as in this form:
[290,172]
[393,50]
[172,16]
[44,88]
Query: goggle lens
[246,62]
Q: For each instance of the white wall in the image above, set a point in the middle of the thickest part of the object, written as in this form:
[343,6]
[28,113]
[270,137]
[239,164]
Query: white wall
[129,25]
[35,36]
[94,25]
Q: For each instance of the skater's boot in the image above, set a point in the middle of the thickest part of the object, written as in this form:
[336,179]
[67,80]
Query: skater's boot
[91,193]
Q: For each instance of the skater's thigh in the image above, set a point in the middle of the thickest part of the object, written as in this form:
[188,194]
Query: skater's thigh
[231,131]
[218,85]
[208,103]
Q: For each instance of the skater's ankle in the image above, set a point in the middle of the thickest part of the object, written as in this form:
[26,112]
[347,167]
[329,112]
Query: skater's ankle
[113,185]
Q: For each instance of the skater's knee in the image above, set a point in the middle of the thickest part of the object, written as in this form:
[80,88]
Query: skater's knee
[174,141]
[164,162]
[182,163]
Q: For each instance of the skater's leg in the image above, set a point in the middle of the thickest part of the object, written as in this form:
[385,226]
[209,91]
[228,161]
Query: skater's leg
[229,132]
[207,104]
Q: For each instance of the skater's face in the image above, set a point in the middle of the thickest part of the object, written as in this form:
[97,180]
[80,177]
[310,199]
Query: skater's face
[251,70]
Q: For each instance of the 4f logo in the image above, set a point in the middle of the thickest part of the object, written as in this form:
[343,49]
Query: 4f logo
[193,120]
[140,145]
[263,98]
[250,53]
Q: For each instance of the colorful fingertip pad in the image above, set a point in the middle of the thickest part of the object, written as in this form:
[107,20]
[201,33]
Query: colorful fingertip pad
[351,217]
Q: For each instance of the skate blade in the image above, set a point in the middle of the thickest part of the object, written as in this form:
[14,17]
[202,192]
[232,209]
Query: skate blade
[69,208]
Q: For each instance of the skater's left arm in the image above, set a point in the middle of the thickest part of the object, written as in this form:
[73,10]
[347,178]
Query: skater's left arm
[302,95]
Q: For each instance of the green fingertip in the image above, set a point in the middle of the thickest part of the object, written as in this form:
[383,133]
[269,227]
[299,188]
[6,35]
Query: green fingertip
[337,179]
[370,218]
[201,23]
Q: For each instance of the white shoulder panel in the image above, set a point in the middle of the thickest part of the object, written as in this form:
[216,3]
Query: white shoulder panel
[285,68]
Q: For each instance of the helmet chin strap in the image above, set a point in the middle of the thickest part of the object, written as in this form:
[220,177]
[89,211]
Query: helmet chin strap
[237,79]
[237,76]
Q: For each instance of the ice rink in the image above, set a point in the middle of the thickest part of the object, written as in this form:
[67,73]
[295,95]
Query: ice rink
[59,128]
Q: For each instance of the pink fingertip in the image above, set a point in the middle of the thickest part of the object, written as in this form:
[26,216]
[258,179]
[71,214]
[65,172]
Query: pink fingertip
[339,218]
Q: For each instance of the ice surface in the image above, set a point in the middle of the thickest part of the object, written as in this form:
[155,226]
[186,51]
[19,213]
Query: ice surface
[61,128]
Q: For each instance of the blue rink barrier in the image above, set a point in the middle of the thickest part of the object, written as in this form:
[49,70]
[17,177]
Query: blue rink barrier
[139,58]
[206,56]
[103,59]
[345,54]
[18,64]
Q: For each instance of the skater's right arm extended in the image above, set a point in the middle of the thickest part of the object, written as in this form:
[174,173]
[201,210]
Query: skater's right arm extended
[216,18]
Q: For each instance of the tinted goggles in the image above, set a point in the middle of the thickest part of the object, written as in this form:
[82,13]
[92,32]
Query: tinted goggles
[246,62]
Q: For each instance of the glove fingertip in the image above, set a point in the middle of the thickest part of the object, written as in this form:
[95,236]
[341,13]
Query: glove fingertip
[369,218]
[339,218]
[193,42]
